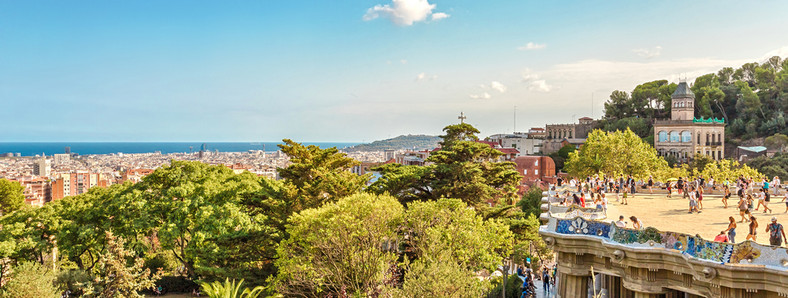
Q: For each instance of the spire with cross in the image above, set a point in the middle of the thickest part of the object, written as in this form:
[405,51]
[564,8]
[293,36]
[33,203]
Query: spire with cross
[462,118]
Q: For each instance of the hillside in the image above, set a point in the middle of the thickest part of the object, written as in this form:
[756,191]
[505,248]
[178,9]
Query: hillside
[419,142]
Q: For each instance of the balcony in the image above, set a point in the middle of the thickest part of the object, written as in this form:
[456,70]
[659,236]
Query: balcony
[713,143]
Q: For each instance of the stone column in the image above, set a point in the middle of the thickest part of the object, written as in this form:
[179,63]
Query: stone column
[572,286]
[613,286]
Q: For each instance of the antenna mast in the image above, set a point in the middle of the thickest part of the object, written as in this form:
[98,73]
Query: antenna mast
[515,120]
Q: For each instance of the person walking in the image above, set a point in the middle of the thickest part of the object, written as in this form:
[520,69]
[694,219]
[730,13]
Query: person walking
[726,196]
[546,280]
[753,229]
[776,233]
[651,185]
[743,209]
[762,201]
[785,199]
[731,229]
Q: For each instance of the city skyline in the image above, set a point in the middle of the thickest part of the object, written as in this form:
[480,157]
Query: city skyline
[348,72]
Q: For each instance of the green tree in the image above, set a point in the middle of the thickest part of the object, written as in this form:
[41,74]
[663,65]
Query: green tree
[614,154]
[195,211]
[447,243]
[439,276]
[531,202]
[462,169]
[346,246]
[11,196]
[778,142]
[619,106]
[30,280]
[318,175]
[113,277]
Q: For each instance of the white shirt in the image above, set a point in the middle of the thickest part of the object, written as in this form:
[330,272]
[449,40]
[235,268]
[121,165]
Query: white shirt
[621,224]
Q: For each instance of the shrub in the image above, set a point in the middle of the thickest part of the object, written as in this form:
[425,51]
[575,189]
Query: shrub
[31,279]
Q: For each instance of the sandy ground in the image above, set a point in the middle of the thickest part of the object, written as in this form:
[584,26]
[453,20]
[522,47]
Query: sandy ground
[670,214]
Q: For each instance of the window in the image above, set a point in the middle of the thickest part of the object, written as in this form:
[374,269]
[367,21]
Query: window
[686,136]
[525,172]
[663,136]
[707,139]
[536,163]
[698,140]
[536,172]
[674,136]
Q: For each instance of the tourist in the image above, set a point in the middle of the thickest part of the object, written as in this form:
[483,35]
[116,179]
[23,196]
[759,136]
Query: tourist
[731,229]
[583,199]
[750,203]
[575,199]
[776,233]
[546,279]
[650,185]
[624,199]
[726,196]
[785,199]
[762,201]
[765,185]
[669,188]
[743,208]
[776,183]
[721,237]
[679,186]
[699,196]
[693,201]
[620,223]
[604,203]
[636,223]
[753,229]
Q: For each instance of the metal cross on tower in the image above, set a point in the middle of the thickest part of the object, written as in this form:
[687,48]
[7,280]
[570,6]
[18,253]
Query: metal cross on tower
[462,118]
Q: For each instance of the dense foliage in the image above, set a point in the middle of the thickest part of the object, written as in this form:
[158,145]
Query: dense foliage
[613,154]
[462,169]
[752,99]
[11,196]
[419,231]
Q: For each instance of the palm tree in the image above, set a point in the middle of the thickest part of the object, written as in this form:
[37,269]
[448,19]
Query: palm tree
[230,289]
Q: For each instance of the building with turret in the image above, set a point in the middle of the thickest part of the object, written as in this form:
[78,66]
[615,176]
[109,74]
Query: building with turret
[684,136]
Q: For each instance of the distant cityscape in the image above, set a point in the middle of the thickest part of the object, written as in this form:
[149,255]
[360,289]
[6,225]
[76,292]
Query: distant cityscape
[48,178]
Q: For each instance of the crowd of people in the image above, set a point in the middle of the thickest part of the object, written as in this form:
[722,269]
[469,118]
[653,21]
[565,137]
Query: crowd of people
[592,192]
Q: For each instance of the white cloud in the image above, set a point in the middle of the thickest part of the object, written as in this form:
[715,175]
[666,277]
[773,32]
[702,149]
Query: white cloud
[403,61]
[404,12]
[439,16]
[532,46]
[484,95]
[648,53]
[782,52]
[423,76]
[495,85]
[540,85]
[535,82]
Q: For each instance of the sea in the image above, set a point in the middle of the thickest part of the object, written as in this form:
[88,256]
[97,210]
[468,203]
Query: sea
[89,148]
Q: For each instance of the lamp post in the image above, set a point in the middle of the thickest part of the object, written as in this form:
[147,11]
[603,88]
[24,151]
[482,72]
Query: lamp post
[505,278]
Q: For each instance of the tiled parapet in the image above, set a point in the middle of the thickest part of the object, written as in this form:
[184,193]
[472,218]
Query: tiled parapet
[585,222]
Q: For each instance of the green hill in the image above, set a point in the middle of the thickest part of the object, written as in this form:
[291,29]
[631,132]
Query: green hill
[418,142]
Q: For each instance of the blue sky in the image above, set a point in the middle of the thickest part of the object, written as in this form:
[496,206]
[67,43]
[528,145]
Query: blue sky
[349,70]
